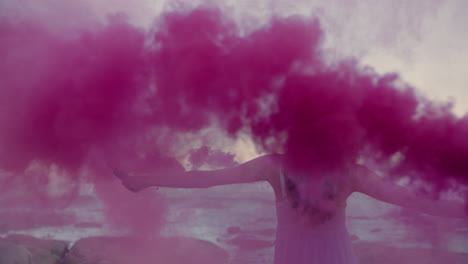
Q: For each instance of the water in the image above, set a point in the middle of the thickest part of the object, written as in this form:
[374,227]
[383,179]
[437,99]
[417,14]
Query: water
[242,220]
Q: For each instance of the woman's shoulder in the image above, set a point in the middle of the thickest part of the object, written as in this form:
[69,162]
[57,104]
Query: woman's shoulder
[268,167]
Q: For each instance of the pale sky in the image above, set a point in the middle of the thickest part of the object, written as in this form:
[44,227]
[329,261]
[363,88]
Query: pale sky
[437,64]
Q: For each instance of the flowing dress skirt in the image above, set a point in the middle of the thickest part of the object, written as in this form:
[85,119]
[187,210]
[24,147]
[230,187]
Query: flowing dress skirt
[298,243]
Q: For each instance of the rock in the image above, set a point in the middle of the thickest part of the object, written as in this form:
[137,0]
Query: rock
[126,250]
[250,243]
[11,253]
[183,250]
[39,251]
[378,252]
[354,237]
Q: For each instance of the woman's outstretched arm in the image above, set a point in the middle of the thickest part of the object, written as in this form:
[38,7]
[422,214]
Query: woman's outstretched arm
[367,182]
[259,169]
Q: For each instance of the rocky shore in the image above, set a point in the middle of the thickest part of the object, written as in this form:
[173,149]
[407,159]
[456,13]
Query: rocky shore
[22,249]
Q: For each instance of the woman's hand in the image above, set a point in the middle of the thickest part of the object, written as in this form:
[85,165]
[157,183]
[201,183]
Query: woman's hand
[138,173]
[132,182]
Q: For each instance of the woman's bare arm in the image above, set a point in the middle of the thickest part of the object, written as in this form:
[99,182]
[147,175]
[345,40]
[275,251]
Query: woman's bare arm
[259,169]
[367,182]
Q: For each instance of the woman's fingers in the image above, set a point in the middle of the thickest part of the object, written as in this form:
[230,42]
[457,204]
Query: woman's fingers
[124,178]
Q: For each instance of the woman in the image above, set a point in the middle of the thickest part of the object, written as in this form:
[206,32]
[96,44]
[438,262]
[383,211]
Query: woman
[310,210]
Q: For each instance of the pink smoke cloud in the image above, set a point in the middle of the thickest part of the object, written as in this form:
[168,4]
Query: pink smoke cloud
[106,88]
[118,95]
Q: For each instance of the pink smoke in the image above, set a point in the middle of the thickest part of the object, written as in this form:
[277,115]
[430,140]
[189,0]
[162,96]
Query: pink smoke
[212,158]
[104,88]
[118,95]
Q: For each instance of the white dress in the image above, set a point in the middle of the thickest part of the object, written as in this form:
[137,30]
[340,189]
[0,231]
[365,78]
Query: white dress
[324,242]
